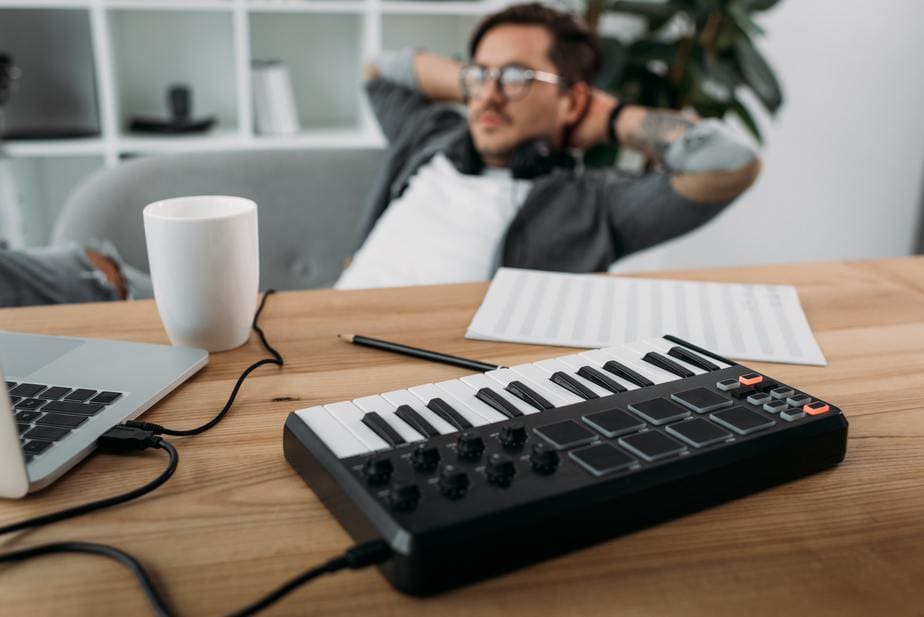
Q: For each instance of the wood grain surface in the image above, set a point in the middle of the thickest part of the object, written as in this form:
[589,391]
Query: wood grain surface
[236,520]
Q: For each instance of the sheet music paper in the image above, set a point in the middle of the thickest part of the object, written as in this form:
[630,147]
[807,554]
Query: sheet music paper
[743,322]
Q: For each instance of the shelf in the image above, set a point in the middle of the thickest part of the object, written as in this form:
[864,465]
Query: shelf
[307,6]
[157,144]
[53,147]
[329,138]
[473,7]
[45,4]
[169,5]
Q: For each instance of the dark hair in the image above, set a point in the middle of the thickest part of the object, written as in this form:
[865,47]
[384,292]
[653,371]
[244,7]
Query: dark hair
[574,51]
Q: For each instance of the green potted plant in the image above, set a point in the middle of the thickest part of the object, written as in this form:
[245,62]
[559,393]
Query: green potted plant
[694,54]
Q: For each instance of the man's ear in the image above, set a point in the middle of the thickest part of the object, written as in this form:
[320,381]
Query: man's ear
[578,97]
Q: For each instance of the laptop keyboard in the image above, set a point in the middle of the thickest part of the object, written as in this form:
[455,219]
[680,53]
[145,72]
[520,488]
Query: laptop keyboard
[47,414]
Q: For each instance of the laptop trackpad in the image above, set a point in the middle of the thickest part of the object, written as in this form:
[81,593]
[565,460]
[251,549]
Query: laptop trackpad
[23,354]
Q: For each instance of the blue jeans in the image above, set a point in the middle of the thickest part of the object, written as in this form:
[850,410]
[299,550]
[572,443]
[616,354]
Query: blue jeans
[63,274]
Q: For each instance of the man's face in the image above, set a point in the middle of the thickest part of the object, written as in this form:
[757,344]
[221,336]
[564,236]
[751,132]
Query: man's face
[498,125]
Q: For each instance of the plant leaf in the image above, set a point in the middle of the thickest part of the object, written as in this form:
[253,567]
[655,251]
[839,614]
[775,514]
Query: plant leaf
[758,74]
[747,119]
[759,5]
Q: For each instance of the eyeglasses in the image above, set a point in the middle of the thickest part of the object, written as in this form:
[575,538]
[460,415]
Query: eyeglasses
[513,80]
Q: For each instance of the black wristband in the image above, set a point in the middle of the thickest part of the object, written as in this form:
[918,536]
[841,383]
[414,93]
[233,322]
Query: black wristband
[611,126]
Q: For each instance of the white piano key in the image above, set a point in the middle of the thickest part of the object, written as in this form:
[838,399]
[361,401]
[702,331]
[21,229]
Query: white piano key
[479,381]
[385,409]
[554,365]
[334,434]
[662,347]
[405,397]
[465,394]
[351,417]
[504,376]
[428,392]
[634,362]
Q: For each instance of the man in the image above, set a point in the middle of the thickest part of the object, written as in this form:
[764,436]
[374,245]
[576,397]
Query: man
[460,195]
[451,206]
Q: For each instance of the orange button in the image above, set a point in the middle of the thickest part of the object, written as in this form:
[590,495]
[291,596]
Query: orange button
[749,379]
[816,409]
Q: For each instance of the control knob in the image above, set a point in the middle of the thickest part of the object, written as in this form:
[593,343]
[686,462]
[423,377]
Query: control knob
[544,458]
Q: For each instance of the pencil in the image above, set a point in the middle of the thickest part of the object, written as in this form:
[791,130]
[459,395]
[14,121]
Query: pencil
[416,352]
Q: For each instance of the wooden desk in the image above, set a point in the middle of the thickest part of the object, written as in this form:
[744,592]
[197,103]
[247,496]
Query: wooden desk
[236,520]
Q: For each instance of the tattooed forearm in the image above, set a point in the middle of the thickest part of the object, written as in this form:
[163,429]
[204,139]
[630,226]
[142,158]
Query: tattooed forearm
[657,131]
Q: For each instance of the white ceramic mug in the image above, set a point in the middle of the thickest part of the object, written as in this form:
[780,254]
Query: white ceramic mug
[205,267]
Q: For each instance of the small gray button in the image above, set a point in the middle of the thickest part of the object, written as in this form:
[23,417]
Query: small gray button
[781,392]
[799,400]
[726,384]
[792,414]
[775,406]
[759,398]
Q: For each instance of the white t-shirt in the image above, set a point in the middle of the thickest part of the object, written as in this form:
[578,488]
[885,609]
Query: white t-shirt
[445,228]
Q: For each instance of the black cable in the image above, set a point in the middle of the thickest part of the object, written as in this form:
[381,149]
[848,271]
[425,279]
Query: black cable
[160,607]
[276,359]
[360,556]
[155,442]
[131,436]
[165,475]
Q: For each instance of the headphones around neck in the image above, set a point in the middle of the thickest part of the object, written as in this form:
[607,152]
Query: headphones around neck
[530,159]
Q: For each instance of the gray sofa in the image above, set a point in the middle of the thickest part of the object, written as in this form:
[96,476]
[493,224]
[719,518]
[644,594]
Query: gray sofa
[308,205]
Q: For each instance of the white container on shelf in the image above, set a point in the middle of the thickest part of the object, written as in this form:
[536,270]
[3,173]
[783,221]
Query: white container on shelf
[273,100]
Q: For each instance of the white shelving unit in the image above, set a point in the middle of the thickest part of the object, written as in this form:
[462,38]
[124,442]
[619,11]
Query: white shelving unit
[140,47]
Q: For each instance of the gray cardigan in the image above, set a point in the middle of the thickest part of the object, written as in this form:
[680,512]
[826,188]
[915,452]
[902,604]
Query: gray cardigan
[578,220]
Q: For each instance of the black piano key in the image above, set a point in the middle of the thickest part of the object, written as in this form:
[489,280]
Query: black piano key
[498,402]
[527,394]
[572,385]
[621,370]
[691,358]
[383,429]
[416,421]
[667,364]
[447,413]
[601,379]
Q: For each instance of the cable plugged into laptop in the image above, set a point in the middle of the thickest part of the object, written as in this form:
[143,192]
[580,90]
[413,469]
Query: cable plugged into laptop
[119,439]
[123,439]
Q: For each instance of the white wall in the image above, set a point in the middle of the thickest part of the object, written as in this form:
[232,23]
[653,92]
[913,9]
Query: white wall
[844,158]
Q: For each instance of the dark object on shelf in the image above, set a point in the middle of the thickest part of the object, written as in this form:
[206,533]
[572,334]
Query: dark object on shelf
[179,101]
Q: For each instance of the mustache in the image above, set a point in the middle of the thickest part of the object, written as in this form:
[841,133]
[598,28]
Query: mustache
[497,112]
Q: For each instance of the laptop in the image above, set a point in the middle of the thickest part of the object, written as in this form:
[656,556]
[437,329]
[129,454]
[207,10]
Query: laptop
[61,393]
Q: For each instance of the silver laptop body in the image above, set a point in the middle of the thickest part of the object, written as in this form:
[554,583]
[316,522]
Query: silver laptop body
[109,382]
